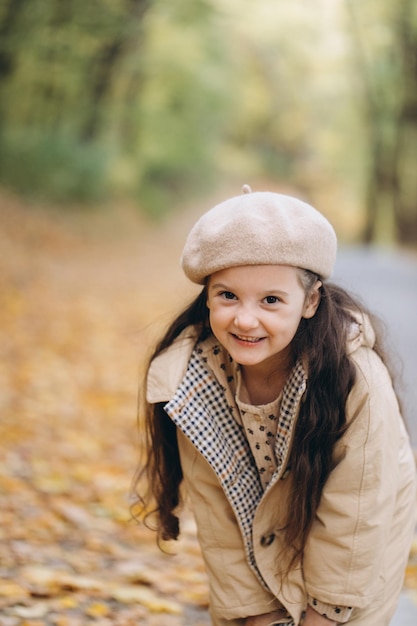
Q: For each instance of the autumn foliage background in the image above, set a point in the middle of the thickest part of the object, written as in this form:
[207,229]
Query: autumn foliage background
[80,300]
[120,121]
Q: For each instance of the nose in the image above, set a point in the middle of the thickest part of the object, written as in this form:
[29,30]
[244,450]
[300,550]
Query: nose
[246,320]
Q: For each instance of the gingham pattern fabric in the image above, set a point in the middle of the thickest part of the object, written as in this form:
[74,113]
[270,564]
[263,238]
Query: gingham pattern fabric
[200,409]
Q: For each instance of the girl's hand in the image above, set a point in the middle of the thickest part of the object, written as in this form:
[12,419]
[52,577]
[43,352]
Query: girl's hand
[312,618]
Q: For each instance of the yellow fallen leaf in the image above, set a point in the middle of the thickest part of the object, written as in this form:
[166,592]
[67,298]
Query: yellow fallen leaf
[197,594]
[10,589]
[43,578]
[51,483]
[31,612]
[54,580]
[129,594]
[135,572]
[68,602]
[81,583]
[98,609]
[69,511]
[61,620]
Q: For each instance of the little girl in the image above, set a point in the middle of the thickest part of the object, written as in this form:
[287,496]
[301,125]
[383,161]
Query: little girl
[268,400]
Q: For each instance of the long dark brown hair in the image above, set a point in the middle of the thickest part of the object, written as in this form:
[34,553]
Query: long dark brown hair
[321,342]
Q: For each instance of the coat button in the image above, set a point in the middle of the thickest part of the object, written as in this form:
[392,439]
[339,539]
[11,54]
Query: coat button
[266,540]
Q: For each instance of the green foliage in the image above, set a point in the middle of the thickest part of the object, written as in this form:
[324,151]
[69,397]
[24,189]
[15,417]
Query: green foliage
[111,78]
[154,99]
[183,108]
[385,38]
[53,167]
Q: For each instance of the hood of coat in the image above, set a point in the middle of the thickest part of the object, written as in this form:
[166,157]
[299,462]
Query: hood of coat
[168,369]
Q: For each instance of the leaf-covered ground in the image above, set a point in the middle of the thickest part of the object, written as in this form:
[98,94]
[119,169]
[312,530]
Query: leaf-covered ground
[81,300]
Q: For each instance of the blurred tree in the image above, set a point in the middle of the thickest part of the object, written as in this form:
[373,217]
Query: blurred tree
[386,45]
[405,155]
[291,101]
[7,25]
[186,101]
[109,95]
[62,64]
[157,98]
[106,61]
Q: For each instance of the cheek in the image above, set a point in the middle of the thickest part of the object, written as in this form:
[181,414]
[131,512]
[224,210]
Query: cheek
[218,317]
[289,322]
[213,316]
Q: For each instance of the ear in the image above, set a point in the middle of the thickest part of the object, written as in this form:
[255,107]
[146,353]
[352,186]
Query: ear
[312,301]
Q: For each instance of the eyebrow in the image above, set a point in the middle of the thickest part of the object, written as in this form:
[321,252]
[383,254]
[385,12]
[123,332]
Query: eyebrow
[219,286]
[268,292]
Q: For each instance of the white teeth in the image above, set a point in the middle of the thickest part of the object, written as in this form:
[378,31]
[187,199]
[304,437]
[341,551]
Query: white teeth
[248,339]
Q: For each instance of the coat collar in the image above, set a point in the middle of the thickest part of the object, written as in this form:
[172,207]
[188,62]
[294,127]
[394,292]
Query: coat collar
[200,410]
[168,369]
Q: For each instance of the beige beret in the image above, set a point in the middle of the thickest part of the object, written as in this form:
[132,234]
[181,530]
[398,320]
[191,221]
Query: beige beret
[260,228]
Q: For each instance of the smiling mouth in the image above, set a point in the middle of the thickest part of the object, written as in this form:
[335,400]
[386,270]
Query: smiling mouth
[248,339]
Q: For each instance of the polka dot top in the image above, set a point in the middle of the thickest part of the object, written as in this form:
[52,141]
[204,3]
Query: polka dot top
[260,424]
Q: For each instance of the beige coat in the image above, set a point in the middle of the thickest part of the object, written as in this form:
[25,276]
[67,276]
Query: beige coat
[358,547]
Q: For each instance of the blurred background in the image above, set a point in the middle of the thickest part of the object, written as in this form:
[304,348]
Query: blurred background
[155,101]
[121,121]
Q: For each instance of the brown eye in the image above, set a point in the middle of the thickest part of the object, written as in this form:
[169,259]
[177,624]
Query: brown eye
[271,299]
[228,295]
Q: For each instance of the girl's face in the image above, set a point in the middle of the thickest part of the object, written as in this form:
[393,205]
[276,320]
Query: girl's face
[255,311]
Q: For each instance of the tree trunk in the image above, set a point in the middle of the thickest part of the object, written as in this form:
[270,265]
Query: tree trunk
[7,26]
[392,179]
[373,105]
[405,189]
[104,69]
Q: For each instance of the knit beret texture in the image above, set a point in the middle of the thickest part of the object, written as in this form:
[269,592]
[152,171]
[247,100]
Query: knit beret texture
[260,228]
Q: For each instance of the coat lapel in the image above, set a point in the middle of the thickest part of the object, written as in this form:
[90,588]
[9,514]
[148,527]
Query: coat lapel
[199,408]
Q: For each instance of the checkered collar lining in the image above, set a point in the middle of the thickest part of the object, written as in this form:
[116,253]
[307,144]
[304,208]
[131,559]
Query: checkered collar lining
[201,411]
